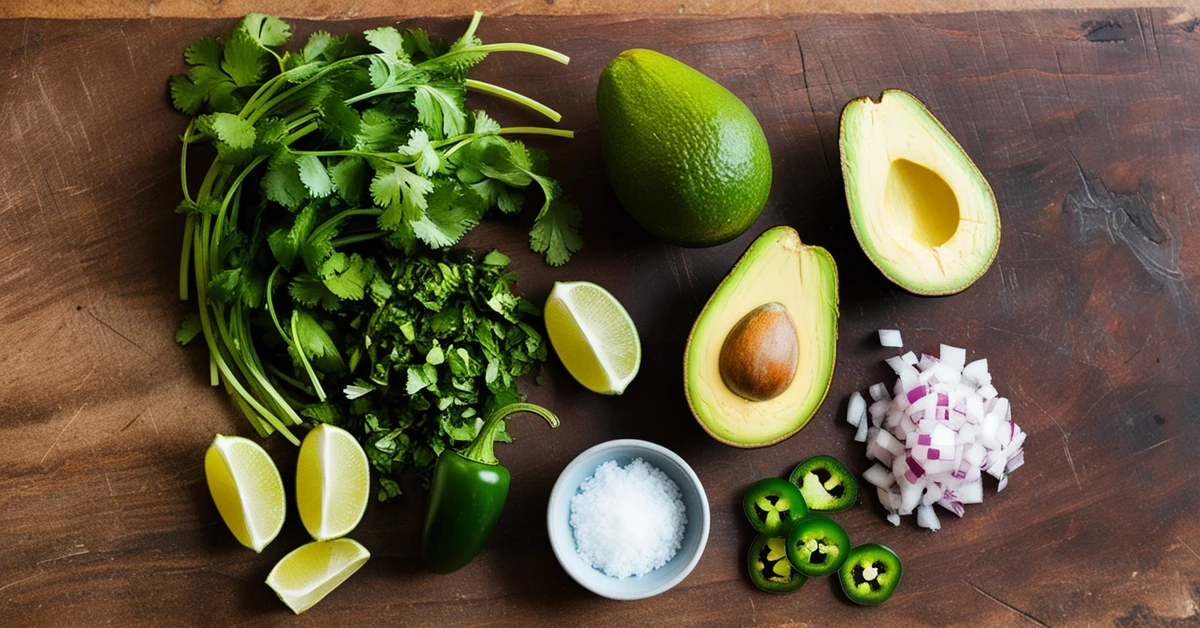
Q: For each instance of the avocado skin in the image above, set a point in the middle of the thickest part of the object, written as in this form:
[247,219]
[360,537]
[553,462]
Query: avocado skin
[687,159]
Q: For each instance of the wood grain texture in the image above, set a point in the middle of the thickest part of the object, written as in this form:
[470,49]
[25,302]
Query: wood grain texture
[342,10]
[1090,137]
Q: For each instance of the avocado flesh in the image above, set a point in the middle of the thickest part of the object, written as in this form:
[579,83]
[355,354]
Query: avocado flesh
[778,268]
[686,158]
[921,210]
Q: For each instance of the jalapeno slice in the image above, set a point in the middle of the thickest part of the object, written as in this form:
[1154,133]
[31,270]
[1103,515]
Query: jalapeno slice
[772,504]
[826,484]
[870,574]
[816,545]
[769,568]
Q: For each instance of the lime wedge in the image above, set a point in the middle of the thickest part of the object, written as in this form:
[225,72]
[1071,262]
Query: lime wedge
[246,488]
[593,336]
[331,482]
[313,570]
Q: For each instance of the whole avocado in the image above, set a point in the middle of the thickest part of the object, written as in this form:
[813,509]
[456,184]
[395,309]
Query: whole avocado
[687,158]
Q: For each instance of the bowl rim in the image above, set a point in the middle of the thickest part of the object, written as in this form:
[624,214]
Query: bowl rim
[560,545]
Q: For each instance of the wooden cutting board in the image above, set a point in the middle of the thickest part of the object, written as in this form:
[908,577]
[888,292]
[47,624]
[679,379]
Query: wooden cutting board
[1087,124]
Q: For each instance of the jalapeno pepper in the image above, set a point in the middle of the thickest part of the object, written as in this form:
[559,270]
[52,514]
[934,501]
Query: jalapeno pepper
[772,504]
[816,545]
[467,495]
[769,566]
[826,484]
[870,574]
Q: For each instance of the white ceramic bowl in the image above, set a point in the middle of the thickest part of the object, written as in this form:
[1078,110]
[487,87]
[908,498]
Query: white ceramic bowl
[562,538]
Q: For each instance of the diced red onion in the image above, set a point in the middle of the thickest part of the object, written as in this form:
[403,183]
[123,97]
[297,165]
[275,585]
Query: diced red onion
[856,411]
[934,432]
[861,434]
[879,476]
[927,519]
[890,338]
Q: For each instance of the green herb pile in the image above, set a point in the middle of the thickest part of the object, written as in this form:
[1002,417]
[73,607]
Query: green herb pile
[318,240]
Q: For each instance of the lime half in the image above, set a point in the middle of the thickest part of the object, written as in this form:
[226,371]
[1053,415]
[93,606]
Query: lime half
[594,336]
[305,576]
[246,488]
[331,482]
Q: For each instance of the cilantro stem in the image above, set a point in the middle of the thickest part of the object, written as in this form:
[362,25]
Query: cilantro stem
[256,421]
[304,360]
[467,36]
[187,195]
[508,94]
[266,90]
[234,188]
[226,373]
[185,257]
[271,305]
[301,386]
[333,222]
[505,47]
[274,101]
[250,355]
[354,239]
[536,130]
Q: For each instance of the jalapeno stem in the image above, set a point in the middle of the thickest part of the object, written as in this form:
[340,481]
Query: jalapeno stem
[481,449]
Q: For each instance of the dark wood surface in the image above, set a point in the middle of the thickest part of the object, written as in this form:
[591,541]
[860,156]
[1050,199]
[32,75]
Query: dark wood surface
[1087,124]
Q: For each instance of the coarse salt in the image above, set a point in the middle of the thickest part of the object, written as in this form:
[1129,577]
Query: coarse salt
[628,521]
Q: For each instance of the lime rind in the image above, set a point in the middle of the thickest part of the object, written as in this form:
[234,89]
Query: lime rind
[247,489]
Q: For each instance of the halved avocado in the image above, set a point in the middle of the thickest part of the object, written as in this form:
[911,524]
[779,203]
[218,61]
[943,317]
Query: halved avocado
[760,357]
[920,208]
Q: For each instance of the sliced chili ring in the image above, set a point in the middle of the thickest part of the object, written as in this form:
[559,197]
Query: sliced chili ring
[826,484]
[817,545]
[772,504]
[870,574]
[769,568]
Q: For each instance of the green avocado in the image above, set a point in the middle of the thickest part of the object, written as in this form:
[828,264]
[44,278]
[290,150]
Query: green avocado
[687,159]
[920,208]
[760,357]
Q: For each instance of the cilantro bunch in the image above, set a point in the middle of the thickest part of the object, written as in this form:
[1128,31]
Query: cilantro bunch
[318,239]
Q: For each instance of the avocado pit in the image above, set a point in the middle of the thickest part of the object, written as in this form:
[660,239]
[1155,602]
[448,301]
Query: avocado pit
[760,354]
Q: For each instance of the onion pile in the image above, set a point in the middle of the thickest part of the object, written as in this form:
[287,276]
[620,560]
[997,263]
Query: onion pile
[941,427]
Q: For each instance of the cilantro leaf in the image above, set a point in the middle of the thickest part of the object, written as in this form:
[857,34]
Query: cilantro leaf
[449,215]
[401,193]
[346,276]
[484,124]
[244,60]
[285,243]
[188,329]
[339,121]
[283,185]
[186,95]
[440,108]
[316,343]
[556,233]
[265,30]
[316,250]
[421,149]
[311,292]
[319,45]
[387,40]
[314,176]
[349,177]
[205,51]
[232,130]
[209,206]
